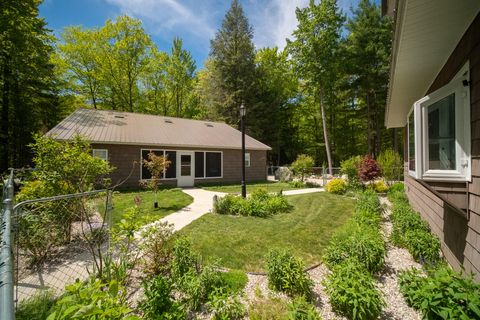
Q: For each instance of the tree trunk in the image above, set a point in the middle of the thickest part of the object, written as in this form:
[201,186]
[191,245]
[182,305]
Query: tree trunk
[325,133]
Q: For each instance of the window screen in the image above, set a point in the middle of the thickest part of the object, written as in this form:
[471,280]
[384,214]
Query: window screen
[213,164]
[171,171]
[199,164]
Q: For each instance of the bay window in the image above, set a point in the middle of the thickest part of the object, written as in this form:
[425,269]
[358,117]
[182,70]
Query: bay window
[439,133]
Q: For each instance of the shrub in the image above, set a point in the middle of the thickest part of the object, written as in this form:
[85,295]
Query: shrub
[369,169]
[302,165]
[349,168]
[368,201]
[259,204]
[359,241]
[378,186]
[301,309]
[36,307]
[352,291]
[442,294]
[285,273]
[92,300]
[296,184]
[224,306]
[423,245]
[336,186]
[156,248]
[184,259]
[405,219]
[268,309]
[159,300]
[391,164]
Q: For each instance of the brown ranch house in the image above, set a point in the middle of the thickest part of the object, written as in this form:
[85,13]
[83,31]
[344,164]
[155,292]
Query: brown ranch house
[199,151]
[434,95]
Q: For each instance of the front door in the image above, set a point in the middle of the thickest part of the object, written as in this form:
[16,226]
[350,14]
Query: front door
[185,169]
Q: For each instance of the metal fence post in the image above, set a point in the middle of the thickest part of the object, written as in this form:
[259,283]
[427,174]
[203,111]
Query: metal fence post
[7,311]
[324,176]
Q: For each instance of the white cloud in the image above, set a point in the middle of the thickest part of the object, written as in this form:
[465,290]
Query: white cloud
[273,21]
[169,15]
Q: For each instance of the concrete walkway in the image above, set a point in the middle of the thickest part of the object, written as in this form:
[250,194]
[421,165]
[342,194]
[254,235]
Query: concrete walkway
[302,191]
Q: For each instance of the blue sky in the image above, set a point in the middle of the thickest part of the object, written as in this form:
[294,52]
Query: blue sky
[195,21]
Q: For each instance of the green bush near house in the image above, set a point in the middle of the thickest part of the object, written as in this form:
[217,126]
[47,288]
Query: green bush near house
[349,167]
[259,204]
[442,293]
[352,291]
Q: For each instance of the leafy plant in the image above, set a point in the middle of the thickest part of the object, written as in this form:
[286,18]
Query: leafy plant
[156,165]
[423,245]
[36,307]
[362,242]
[234,281]
[285,273]
[349,167]
[225,306]
[92,300]
[259,204]
[391,164]
[442,294]
[301,309]
[336,186]
[302,166]
[157,248]
[159,301]
[378,186]
[352,291]
[268,309]
[184,259]
[297,184]
[369,169]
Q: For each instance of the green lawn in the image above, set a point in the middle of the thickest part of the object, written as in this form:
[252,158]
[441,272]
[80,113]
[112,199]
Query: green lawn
[169,201]
[243,242]
[237,188]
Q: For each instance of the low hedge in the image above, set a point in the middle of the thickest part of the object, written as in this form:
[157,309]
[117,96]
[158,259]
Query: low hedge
[259,204]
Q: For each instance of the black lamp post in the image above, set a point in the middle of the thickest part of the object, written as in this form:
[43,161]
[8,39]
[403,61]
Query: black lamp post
[242,124]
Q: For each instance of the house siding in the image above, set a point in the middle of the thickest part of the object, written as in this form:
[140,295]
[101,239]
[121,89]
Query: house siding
[459,232]
[126,160]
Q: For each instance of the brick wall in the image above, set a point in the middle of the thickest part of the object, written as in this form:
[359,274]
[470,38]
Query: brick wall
[126,160]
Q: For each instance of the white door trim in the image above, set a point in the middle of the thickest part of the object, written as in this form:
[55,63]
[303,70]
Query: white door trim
[185,180]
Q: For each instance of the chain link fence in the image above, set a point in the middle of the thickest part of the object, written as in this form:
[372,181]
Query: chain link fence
[58,240]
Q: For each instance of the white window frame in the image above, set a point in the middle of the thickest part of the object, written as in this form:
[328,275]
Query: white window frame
[96,151]
[163,151]
[463,161]
[247,159]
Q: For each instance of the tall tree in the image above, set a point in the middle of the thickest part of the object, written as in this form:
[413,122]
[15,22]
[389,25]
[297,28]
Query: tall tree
[154,82]
[28,92]
[180,78]
[232,52]
[368,54]
[315,51]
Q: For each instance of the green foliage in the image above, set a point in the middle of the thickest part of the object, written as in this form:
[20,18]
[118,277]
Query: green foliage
[92,300]
[412,232]
[36,307]
[378,186]
[159,301]
[359,241]
[301,309]
[302,166]
[349,167]
[156,165]
[157,248]
[397,187]
[184,259]
[234,281]
[259,204]
[336,186]
[285,273]
[297,184]
[369,169]
[352,291]
[225,306]
[368,201]
[391,164]
[442,294]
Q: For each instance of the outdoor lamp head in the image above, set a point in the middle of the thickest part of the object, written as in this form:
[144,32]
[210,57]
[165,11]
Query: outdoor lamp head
[242,110]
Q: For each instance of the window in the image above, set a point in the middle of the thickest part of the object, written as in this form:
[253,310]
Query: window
[247,159]
[439,133]
[100,153]
[208,164]
[169,173]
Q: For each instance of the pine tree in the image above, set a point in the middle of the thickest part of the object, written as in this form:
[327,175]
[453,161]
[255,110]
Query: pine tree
[233,53]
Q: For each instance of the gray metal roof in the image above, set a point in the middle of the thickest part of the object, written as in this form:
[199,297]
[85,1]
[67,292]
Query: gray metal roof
[114,127]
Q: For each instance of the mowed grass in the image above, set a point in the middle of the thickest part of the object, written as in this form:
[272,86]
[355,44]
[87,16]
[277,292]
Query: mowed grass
[169,201]
[243,242]
[252,186]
